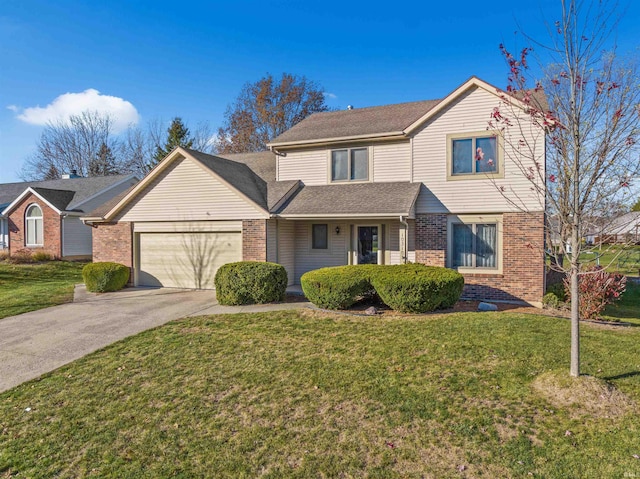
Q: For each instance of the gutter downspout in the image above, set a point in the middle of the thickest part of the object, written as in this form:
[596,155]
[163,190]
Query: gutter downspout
[405,246]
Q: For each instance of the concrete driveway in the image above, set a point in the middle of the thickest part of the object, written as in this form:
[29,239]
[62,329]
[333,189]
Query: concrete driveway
[35,343]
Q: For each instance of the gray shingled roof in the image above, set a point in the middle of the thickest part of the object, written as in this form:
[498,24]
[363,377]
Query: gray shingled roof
[76,190]
[359,121]
[353,199]
[253,174]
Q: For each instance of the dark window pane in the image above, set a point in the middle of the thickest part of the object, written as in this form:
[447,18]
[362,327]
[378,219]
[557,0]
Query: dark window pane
[486,156]
[462,246]
[359,164]
[319,236]
[339,165]
[462,156]
[486,246]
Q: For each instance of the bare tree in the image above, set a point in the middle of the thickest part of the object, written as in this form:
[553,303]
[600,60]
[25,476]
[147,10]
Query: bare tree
[267,108]
[76,144]
[587,103]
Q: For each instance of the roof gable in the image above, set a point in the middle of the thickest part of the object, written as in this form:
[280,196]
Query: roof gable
[78,190]
[381,122]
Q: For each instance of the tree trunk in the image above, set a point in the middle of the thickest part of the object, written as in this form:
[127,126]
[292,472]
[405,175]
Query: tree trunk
[575,304]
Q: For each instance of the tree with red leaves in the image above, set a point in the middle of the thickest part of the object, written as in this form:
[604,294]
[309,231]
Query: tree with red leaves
[587,103]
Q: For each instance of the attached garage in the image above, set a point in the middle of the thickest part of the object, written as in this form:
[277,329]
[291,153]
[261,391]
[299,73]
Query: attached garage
[187,258]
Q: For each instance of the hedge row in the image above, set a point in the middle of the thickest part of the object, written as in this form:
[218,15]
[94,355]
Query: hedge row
[249,282]
[103,277]
[411,288]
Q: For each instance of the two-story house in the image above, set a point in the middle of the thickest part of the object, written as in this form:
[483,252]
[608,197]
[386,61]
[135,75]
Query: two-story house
[424,182]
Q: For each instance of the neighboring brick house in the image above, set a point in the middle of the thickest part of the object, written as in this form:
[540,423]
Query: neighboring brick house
[383,185]
[45,215]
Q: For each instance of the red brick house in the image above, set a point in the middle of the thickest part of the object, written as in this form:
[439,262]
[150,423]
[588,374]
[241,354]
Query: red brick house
[45,215]
[384,185]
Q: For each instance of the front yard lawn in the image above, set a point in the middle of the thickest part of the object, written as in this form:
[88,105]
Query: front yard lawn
[27,287]
[311,394]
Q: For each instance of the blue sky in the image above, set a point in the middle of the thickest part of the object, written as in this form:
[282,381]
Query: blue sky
[164,59]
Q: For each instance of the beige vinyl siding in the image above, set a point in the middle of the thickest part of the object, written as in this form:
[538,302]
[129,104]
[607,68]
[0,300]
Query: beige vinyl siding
[186,192]
[394,242]
[309,166]
[186,226]
[76,237]
[184,260]
[307,259]
[470,113]
[93,203]
[272,240]
[286,248]
[392,162]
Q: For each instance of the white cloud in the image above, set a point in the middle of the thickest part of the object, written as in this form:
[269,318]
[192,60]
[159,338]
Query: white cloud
[13,108]
[331,96]
[122,112]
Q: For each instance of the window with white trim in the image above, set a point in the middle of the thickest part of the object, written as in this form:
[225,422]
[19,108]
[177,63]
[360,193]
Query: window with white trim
[471,155]
[350,164]
[319,236]
[34,226]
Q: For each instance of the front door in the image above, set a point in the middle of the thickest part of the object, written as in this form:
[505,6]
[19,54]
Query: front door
[368,244]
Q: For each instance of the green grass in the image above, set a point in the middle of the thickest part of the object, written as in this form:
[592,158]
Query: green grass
[27,287]
[628,308]
[616,259]
[301,394]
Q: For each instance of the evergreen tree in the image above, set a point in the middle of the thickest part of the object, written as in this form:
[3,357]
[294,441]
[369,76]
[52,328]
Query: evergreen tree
[104,163]
[177,135]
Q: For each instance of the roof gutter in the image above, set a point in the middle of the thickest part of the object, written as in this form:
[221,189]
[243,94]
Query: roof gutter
[343,215]
[391,135]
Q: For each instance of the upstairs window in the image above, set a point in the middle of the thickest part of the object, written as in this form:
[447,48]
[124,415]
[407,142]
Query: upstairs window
[351,164]
[473,155]
[34,226]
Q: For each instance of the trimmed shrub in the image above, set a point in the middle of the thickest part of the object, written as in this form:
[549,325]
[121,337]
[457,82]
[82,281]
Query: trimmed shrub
[104,277]
[597,288]
[551,301]
[41,256]
[413,288]
[416,288]
[338,287]
[250,282]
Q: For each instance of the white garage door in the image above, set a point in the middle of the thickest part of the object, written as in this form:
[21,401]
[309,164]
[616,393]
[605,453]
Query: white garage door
[185,260]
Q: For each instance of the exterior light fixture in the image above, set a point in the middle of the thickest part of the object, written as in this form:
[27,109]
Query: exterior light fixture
[337,230]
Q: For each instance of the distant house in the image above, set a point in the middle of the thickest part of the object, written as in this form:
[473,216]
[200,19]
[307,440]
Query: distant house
[623,229]
[412,182]
[45,215]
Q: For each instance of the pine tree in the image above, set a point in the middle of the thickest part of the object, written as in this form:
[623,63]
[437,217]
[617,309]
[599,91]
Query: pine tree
[104,163]
[177,135]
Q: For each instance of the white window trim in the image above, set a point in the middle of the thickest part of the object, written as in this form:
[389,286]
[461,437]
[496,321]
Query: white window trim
[31,219]
[476,219]
[348,149]
[474,135]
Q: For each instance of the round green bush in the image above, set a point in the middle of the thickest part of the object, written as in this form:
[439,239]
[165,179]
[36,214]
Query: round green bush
[103,277]
[413,288]
[551,301]
[337,287]
[250,282]
[416,288]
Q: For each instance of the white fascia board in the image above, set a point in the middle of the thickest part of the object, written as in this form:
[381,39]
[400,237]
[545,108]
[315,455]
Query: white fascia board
[15,202]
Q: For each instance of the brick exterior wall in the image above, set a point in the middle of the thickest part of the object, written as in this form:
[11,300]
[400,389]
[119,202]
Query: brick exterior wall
[431,239]
[254,240]
[51,227]
[523,269]
[114,242]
